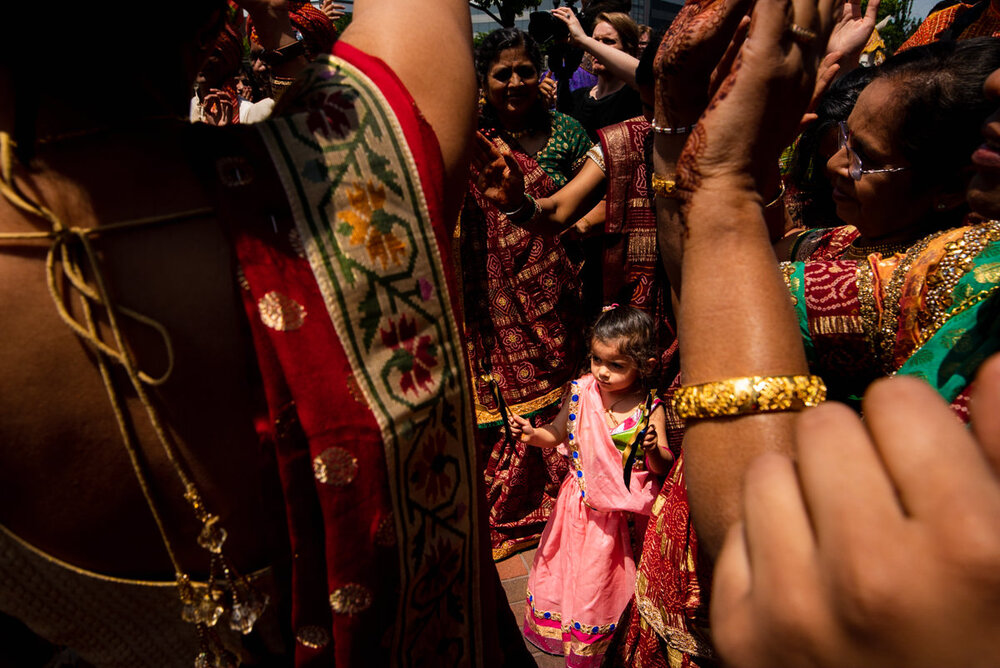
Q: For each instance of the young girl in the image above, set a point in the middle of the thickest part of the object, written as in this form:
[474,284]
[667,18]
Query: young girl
[583,573]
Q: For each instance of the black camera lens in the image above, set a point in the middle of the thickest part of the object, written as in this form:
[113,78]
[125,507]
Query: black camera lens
[543,27]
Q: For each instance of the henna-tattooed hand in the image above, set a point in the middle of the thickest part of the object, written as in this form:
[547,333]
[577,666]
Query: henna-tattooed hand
[497,174]
[688,54]
[755,112]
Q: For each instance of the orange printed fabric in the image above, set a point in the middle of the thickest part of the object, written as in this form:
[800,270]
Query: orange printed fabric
[987,25]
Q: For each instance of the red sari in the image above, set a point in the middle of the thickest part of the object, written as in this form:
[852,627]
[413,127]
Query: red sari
[353,318]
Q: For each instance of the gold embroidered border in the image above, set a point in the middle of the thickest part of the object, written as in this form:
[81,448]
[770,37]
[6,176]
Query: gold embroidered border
[837,324]
[865,278]
[597,155]
[964,305]
[889,325]
[488,416]
[787,271]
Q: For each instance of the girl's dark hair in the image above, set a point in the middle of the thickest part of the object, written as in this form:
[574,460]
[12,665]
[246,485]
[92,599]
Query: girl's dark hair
[488,52]
[942,102]
[635,330]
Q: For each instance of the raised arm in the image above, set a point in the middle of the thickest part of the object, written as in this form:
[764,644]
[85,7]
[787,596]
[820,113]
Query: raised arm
[735,319]
[619,63]
[499,178]
[696,41]
[428,44]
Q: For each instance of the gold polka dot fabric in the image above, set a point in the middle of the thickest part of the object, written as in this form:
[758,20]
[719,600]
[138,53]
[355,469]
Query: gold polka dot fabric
[385,535]
[335,466]
[350,599]
[313,637]
[280,312]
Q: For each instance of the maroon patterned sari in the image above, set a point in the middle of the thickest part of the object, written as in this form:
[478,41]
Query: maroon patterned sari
[523,335]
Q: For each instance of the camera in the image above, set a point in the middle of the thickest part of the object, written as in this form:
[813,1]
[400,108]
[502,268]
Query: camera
[543,27]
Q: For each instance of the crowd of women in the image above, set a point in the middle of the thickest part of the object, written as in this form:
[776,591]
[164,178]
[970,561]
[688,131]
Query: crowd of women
[278,327]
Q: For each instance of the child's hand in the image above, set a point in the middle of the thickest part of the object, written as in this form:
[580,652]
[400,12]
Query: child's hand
[520,428]
[649,447]
[649,442]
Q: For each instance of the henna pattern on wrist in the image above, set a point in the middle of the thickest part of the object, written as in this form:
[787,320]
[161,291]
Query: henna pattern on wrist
[678,53]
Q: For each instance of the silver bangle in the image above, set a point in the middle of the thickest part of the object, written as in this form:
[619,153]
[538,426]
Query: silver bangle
[525,212]
[664,130]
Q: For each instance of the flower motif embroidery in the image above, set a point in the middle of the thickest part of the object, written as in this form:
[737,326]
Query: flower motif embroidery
[369,226]
[413,356]
[431,469]
[329,113]
[443,561]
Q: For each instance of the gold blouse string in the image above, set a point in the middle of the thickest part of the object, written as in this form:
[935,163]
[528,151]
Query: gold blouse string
[203,608]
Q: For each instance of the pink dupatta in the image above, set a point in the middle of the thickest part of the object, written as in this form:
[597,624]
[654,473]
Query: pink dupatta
[597,466]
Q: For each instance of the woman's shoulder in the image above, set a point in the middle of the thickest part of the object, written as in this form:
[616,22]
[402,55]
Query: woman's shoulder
[566,124]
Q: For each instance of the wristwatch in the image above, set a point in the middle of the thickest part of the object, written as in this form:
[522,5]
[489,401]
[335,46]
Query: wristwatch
[285,53]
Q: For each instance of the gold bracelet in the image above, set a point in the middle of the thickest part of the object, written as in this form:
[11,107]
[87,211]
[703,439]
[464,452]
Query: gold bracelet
[665,187]
[748,395]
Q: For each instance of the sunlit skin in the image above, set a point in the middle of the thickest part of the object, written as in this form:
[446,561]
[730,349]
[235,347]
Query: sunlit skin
[615,372]
[605,34]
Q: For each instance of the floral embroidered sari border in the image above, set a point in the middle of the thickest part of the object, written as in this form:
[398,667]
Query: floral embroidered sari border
[351,180]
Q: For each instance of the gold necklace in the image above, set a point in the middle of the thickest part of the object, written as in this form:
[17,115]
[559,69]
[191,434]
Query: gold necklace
[856,251]
[520,134]
[609,412]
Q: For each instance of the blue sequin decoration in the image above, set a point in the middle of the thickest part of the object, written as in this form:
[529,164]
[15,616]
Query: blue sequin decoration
[576,397]
[572,416]
[571,437]
[576,455]
[577,626]
[579,474]
[595,630]
[547,615]
[582,494]
[612,627]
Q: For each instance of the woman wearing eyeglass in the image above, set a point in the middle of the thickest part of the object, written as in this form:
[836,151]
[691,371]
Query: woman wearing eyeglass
[916,294]
[522,308]
[875,290]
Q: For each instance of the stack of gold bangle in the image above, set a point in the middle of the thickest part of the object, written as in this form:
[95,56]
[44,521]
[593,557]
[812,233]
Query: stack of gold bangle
[748,395]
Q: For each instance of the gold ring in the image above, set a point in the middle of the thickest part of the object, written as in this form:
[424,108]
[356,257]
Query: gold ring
[802,35]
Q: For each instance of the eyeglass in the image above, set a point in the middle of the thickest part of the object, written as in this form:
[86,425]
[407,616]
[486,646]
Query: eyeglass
[854,166]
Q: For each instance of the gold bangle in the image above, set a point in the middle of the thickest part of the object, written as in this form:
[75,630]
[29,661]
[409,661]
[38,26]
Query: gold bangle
[665,187]
[748,395]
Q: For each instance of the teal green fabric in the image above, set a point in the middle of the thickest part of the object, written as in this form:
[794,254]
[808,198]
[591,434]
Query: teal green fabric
[797,286]
[567,145]
[950,358]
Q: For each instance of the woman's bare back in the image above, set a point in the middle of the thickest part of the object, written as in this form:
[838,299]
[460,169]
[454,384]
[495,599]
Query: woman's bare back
[66,484]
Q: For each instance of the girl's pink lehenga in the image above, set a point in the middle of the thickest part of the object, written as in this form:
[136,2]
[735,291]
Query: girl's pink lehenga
[583,573]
